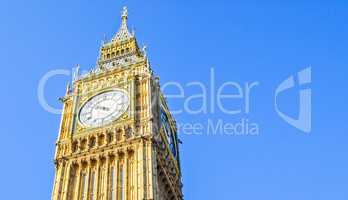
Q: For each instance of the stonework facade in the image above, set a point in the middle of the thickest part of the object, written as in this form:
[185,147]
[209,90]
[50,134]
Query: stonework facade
[117,139]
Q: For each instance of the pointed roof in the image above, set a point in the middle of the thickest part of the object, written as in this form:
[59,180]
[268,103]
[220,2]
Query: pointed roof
[123,34]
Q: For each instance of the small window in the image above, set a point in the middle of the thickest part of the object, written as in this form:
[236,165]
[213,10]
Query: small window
[101,140]
[92,142]
[83,144]
[74,146]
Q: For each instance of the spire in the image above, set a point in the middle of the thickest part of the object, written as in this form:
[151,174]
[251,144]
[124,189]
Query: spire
[122,45]
[123,33]
[67,88]
[76,73]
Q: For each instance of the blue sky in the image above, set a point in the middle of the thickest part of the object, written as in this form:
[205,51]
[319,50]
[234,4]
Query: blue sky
[243,41]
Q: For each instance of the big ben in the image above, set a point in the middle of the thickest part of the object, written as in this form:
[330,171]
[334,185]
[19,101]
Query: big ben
[117,139]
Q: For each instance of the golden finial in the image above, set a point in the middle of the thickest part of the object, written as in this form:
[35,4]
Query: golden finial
[124,12]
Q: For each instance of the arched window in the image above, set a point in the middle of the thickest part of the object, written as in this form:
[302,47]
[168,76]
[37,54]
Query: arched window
[83,144]
[74,146]
[101,140]
[92,142]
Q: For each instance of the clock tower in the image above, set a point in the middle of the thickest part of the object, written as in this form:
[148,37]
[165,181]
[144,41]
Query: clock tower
[117,139]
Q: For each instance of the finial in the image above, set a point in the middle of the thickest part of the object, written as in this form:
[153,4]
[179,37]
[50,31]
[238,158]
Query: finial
[67,88]
[78,70]
[144,50]
[124,15]
[123,33]
[76,73]
[104,39]
[147,62]
[124,12]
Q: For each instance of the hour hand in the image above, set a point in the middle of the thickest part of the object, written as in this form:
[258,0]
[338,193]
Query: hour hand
[102,108]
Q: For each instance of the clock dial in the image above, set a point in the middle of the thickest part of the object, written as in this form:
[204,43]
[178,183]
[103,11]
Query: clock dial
[168,132]
[104,108]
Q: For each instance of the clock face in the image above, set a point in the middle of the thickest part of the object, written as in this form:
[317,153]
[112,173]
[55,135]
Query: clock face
[168,132]
[104,108]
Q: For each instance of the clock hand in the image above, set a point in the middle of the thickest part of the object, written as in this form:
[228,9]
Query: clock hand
[102,108]
[106,109]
